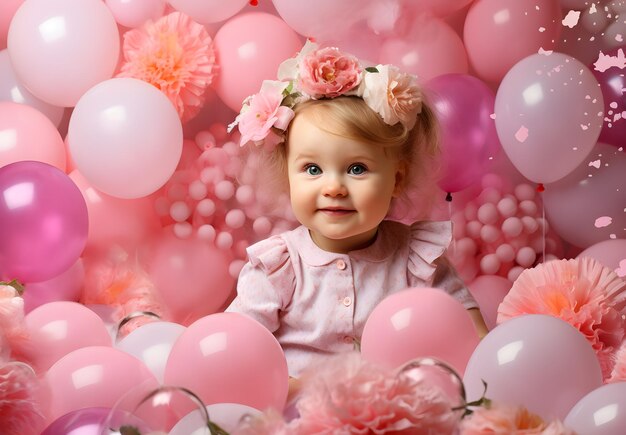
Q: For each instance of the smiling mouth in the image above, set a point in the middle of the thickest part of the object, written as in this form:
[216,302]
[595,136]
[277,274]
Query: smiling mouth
[336,211]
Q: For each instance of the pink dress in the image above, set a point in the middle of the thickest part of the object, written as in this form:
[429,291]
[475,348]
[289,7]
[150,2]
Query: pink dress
[316,302]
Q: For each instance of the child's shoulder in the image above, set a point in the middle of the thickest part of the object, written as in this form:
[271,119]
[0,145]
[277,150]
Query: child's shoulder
[437,231]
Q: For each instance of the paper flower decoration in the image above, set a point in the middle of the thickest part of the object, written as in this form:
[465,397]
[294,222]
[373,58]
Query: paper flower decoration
[500,419]
[176,55]
[619,369]
[582,292]
[19,412]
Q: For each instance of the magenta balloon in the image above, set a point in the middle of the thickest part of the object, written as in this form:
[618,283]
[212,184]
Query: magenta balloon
[64,287]
[601,412]
[464,106]
[44,222]
[536,361]
[612,83]
[587,206]
[548,115]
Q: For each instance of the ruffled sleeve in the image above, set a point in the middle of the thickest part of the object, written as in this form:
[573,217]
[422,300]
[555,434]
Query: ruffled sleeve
[266,283]
[428,265]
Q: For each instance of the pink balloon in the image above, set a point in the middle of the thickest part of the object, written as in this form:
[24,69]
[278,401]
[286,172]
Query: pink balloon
[250,47]
[548,115]
[536,361]
[44,222]
[489,291]
[463,105]
[123,127]
[419,322]
[229,357]
[492,25]
[58,328]
[360,41]
[601,412]
[612,82]
[209,11]
[61,48]
[227,415]
[67,286]
[12,90]
[89,421]
[430,49]
[587,206]
[191,276]
[114,220]
[28,134]
[611,253]
[440,8]
[7,11]
[95,376]
[133,13]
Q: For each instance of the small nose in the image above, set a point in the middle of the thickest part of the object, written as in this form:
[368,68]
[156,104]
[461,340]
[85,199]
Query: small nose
[334,187]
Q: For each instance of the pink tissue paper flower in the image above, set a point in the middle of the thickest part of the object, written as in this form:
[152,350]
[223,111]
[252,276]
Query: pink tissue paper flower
[509,420]
[19,409]
[327,72]
[176,55]
[619,369]
[582,292]
[12,319]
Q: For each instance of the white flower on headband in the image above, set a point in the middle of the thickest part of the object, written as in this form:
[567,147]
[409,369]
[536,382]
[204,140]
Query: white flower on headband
[394,95]
[317,73]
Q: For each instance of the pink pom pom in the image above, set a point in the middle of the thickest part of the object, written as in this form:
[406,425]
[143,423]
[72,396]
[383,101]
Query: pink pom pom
[206,207]
[524,192]
[183,230]
[180,211]
[505,253]
[466,247]
[206,232]
[224,240]
[197,190]
[262,226]
[490,195]
[528,207]
[235,267]
[224,190]
[489,234]
[245,195]
[205,140]
[525,256]
[488,213]
[512,227]
[489,264]
[211,175]
[514,273]
[235,218]
[507,207]
[530,224]
[473,229]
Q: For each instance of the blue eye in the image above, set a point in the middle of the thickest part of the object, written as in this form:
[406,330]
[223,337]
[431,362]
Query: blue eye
[313,170]
[357,169]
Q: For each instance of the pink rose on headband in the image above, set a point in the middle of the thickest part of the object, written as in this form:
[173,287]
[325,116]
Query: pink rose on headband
[327,72]
[261,112]
[396,96]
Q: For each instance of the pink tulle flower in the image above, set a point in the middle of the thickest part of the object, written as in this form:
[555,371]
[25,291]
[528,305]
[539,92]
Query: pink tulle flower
[582,292]
[19,410]
[176,55]
[500,419]
[327,72]
[349,395]
[12,317]
[619,369]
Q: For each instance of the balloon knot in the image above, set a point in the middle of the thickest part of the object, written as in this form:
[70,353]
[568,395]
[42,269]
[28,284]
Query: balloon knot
[254,2]
[449,197]
[540,187]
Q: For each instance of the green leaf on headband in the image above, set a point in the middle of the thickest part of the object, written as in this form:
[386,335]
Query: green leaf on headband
[371,69]
[18,286]
[288,90]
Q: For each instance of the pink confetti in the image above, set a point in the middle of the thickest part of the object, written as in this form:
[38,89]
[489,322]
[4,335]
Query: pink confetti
[595,164]
[621,270]
[571,19]
[619,37]
[603,221]
[605,62]
[544,52]
[584,127]
[492,116]
[522,134]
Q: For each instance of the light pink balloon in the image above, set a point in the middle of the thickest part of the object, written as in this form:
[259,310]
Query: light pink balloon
[229,357]
[133,13]
[58,328]
[12,90]
[209,11]
[7,10]
[548,115]
[419,322]
[430,49]
[440,8]
[115,220]
[500,33]
[611,253]
[95,376]
[587,206]
[601,412]
[61,48]
[27,134]
[191,276]
[250,47]
[227,415]
[536,361]
[66,287]
[125,137]
[489,291]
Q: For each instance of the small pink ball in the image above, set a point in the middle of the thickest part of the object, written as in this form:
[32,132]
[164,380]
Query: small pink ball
[514,273]
[470,211]
[458,228]
[466,247]
[205,140]
[235,267]
[224,190]
[488,213]
[512,227]
[262,226]
[224,240]
[505,253]
[212,175]
[526,256]
[507,207]
[492,180]
[245,194]
[473,229]
[206,207]
[530,224]
[491,195]
[489,233]
[231,148]
[528,207]
[543,225]
[489,264]
[162,206]
[197,190]
[524,192]
[206,232]
[177,192]
[183,230]
[235,218]
[180,211]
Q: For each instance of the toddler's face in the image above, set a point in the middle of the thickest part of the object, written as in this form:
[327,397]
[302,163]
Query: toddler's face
[340,188]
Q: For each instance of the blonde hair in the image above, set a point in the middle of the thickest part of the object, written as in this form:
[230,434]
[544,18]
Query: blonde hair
[350,117]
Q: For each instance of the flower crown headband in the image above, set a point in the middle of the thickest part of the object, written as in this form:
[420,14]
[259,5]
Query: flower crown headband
[324,73]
